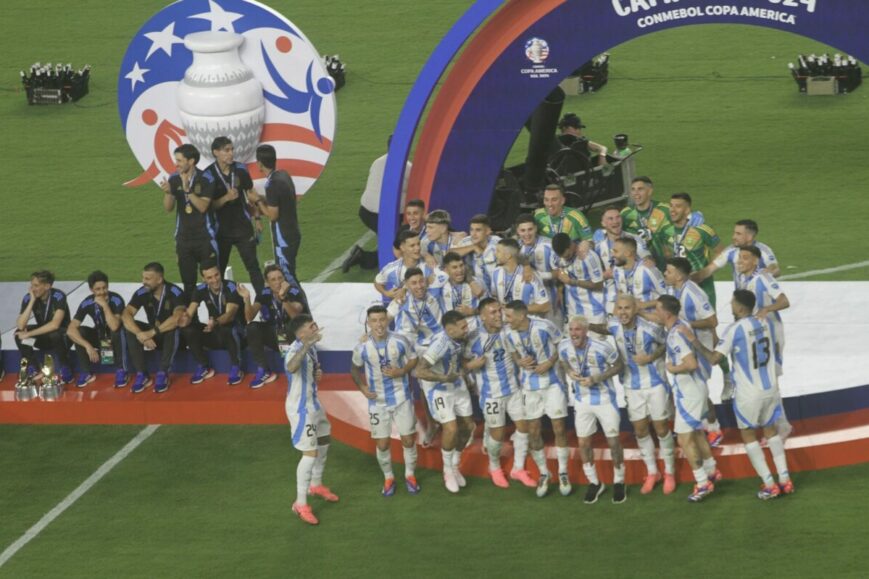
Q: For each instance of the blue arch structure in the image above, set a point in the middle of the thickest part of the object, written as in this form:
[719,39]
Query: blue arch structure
[492,87]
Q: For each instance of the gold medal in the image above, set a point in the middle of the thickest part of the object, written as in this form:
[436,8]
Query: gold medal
[188,209]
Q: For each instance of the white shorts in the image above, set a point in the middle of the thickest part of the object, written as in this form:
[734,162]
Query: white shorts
[495,410]
[756,412]
[690,412]
[653,402]
[551,401]
[382,417]
[587,416]
[446,405]
[308,427]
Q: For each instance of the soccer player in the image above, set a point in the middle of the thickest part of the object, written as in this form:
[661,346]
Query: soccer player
[646,217]
[511,281]
[50,313]
[223,329]
[456,292]
[389,281]
[439,238]
[634,277]
[535,249]
[691,396]
[770,298]
[308,422]
[381,367]
[698,311]
[164,305]
[589,365]
[744,233]
[699,245]
[750,343]
[439,370]
[236,225]
[611,221]
[641,345]
[534,346]
[105,342]
[278,303]
[553,218]
[582,278]
[189,192]
[418,317]
[488,354]
[478,249]
[414,220]
[279,205]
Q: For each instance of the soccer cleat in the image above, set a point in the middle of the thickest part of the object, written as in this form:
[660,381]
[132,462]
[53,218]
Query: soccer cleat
[593,493]
[411,484]
[450,481]
[768,492]
[323,492]
[235,376]
[498,478]
[787,487]
[262,377]
[543,485]
[669,484]
[714,438]
[700,492]
[460,478]
[305,513]
[620,493]
[649,483]
[523,477]
[564,486]
[388,487]
[66,375]
[121,378]
[85,379]
[141,382]
[201,374]
[161,382]
[716,476]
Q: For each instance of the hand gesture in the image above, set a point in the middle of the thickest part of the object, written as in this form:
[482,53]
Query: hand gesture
[285,287]
[574,375]
[209,327]
[642,359]
[587,381]
[93,354]
[527,362]
[252,197]
[313,338]
[232,194]
[391,372]
[101,301]
[149,344]
[243,292]
[164,185]
[562,276]
[22,334]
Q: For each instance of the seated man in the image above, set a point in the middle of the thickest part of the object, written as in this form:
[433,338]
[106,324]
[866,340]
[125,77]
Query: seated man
[571,127]
[277,305]
[104,343]
[164,305]
[51,313]
[223,329]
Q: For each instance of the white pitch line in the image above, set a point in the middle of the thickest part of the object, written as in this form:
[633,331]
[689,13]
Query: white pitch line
[75,495]
[336,263]
[815,272]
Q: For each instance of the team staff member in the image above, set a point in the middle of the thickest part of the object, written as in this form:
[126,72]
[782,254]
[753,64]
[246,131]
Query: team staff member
[235,218]
[279,205]
[105,341]
[164,304]
[189,192]
[51,313]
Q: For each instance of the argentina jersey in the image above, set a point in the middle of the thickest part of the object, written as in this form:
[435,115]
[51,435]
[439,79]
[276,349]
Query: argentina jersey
[731,253]
[750,343]
[417,319]
[643,282]
[484,264]
[582,301]
[454,295]
[540,257]
[373,356]
[392,274]
[302,392]
[540,342]
[644,338]
[678,348]
[444,355]
[592,359]
[695,307]
[497,377]
[512,286]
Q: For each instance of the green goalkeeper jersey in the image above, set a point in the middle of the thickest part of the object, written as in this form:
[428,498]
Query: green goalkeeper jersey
[648,225]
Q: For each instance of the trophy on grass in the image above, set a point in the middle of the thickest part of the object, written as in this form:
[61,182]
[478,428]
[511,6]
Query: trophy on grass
[51,387]
[25,389]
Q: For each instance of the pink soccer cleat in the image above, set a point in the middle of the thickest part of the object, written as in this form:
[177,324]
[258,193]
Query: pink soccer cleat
[669,484]
[649,483]
[305,513]
[523,477]
[324,493]
[787,488]
[498,479]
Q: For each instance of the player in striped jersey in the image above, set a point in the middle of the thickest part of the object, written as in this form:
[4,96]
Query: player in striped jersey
[690,397]
[488,354]
[478,249]
[308,422]
[512,281]
[389,281]
[448,398]
[750,343]
[381,367]
[456,292]
[534,345]
[439,238]
[700,315]
[641,345]
[632,276]
[534,249]
[418,317]
[589,365]
[611,221]
[744,233]
[582,278]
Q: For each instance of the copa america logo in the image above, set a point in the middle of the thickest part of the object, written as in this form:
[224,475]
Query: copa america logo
[537,50]
[199,69]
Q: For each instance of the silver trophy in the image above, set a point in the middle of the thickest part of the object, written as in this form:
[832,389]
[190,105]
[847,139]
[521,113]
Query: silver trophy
[51,387]
[25,389]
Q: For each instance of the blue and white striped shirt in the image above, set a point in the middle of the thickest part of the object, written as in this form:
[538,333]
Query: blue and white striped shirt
[695,307]
[593,359]
[644,338]
[302,391]
[750,343]
[395,352]
[540,341]
[498,377]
